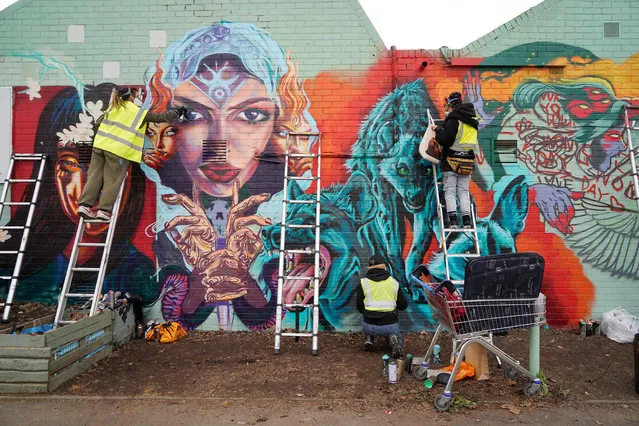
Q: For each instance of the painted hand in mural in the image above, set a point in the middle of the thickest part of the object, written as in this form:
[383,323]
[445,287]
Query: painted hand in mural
[555,204]
[223,273]
[472,94]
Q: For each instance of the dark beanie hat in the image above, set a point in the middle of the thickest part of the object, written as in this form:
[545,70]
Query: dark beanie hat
[376,259]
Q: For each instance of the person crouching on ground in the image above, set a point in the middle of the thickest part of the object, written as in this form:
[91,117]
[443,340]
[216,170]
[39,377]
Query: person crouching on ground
[458,138]
[118,142]
[378,299]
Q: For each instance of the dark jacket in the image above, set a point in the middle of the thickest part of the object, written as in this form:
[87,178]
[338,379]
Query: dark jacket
[447,132]
[376,317]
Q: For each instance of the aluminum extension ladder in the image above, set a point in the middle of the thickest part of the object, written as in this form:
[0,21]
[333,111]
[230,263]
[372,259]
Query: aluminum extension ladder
[628,128]
[286,261]
[94,295]
[15,276]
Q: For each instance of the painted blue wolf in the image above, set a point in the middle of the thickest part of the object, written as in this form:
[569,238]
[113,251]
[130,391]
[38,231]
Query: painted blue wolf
[345,209]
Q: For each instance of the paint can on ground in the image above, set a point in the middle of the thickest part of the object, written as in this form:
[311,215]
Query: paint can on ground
[385,360]
[392,371]
[409,362]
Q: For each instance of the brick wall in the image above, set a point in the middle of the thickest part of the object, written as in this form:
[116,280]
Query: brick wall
[552,174]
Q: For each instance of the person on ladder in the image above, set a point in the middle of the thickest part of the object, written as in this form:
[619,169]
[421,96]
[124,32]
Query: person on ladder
[458,138]
[118,142]
[378,299]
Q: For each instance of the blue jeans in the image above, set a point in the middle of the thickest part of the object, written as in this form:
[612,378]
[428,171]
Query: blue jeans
[456,186]
[383,330]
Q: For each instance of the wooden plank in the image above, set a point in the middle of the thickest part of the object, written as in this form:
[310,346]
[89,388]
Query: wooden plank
[23,387]
[6,352]
[24,376]
[69,373]
[73,356]
[57,337]
[24,364]
[22,340]
[82,328]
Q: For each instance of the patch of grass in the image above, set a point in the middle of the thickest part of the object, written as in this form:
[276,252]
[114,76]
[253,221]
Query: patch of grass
[544,390]
[461,403]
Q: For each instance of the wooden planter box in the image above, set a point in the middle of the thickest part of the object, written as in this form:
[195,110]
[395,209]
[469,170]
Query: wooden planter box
[41,363]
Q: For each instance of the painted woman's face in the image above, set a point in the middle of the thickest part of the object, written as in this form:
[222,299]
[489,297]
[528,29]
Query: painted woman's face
[231,119]
[162,138]
[70,177]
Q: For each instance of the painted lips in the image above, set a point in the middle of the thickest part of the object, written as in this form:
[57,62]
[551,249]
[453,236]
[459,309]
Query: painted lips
[220,172]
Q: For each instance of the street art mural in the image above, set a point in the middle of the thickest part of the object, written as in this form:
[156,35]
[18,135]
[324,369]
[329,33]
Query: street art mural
[199,229]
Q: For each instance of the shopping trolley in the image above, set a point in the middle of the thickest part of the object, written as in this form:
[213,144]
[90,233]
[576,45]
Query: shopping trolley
[474,321]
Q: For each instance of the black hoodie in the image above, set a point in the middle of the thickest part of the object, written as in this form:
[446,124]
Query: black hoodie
[376,317]
[446,134]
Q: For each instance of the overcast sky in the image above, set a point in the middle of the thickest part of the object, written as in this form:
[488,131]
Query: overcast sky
[430,24]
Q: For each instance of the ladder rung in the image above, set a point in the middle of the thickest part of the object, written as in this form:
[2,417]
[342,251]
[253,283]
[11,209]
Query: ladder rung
[464,255]
[9,252]
[5,277]
[15,203]
[301,201]
[298,226]
[96,221]
[22,180]
[66,322]
[304,155]
[301,178]
[91,244]
[299,251]
[28,156]
[12,227]
[85,269]
[459,230]
[85,295]
[297,305]
[456,282]
[297,277]
[297,334]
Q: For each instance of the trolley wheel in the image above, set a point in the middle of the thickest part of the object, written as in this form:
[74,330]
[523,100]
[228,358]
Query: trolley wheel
[442,402]
[420,373]
[511,373]
[531,389]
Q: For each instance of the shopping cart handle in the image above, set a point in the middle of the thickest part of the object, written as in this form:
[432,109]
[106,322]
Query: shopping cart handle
[419,271]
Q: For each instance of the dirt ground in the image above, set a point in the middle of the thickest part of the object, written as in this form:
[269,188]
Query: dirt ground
[241,369]
[20,313]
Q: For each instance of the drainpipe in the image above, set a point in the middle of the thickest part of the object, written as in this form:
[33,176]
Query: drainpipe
[394,86]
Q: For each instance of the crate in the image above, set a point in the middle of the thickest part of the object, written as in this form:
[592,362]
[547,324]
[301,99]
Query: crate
[41,363]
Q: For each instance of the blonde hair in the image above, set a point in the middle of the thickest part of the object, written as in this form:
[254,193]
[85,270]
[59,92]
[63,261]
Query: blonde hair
[116,101]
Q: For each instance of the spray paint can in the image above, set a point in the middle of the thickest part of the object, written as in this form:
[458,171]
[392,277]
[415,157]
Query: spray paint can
[409,363]
[436,351]
[385,360]
[392,371]
[582,327]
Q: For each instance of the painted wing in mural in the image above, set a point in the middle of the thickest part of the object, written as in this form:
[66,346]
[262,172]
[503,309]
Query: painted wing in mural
[607,239]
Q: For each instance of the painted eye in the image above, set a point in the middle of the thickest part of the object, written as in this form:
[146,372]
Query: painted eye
[150,133]
[170,131]
[192,115]
[254,115]
[402,170]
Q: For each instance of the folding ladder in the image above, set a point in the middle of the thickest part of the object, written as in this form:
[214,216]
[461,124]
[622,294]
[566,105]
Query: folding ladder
[27,227]
[286,260]
[628,128]
[88,295]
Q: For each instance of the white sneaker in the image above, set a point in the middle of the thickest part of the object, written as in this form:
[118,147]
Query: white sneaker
[103,215]
[86,212]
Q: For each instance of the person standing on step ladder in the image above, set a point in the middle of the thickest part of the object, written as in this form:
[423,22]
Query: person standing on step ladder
[458,138]
[378,299]
[118,142]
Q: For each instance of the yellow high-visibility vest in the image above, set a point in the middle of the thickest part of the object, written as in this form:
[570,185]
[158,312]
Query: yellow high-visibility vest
[381,296]
[466,138]
[122,132]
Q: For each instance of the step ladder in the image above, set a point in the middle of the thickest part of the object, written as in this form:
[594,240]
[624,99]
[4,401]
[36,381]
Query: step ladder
[447,233]
[10,180]
[88,295]
[286,255]
[629,127]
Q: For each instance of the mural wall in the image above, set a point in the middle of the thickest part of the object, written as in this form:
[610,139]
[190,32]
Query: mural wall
[199,230]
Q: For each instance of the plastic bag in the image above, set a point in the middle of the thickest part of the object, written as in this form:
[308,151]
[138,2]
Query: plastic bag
[429,149]
[620,325]
[167,332]
[465,370]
